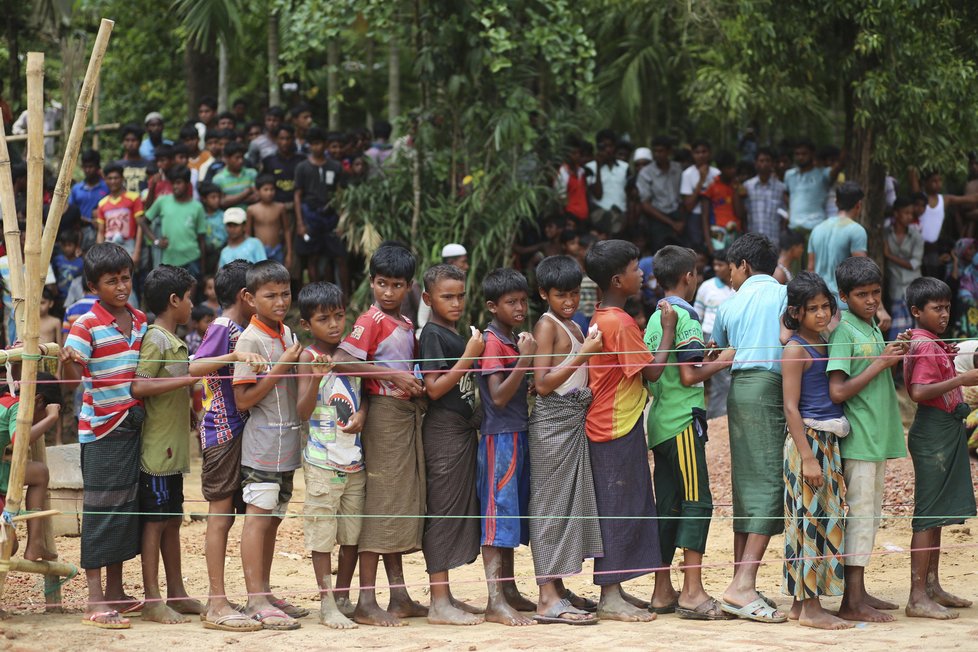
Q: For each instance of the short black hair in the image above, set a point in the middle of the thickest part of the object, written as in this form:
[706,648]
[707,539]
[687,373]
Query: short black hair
[91,157]
[240,102]
[502,281]
[382,129]
[287,128]
[49,294]
[608,258]
[441,272]
[720,256]
[69,236]
[299,109]
[234,148]
[225,115]
[791,239]
[265,272]
[230,280]
[207,101]
[847,195]
[134,129]
[801,289]
[275,112]
[559,273]
[161,283]
[672,263]
[724,159]
[925,289]
[336,137]
[48,388]
[805,143]
[754,249]
[212,134]
[855,272]
[606,134]
[180,148]
[188,132]
[112,168]
[202,310]
[315,135]
[205,188]
[567,235]
[902,201]
[765,151]
[264,180]
[700,142]
[393,261]
[319,296]
[662,141]
[178,172]
[105,258]
[163,151]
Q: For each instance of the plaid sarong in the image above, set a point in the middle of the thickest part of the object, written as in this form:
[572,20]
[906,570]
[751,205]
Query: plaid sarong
[564,528]
[394,461]
[110,478]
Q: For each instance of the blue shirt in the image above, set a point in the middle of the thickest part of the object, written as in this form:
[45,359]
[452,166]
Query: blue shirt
[86,198]
[750,322]
[148,150]
[251,250]
[807,192]
[832,241]
[500,356]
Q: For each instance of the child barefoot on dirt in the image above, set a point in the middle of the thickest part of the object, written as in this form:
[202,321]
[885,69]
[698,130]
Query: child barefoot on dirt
[332,462]
[220,437]
[47,411]
[813,514]
[943,493]
[163,382]
[271,439]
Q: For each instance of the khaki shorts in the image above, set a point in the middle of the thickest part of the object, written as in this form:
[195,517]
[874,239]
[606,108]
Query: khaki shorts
[334,504]
[864,494]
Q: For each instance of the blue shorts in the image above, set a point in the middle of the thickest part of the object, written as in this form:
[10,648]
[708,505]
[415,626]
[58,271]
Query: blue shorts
[276,253]
[503,483]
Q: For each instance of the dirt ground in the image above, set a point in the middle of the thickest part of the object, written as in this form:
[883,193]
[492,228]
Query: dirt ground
[29,628]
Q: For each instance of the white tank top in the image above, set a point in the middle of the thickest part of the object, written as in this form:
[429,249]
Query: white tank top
[578,379]
[931,221]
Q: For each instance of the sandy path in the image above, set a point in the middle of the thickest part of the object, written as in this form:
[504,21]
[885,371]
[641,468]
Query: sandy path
[29,628]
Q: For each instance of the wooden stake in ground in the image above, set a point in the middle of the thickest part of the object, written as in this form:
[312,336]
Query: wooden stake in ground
[11,231]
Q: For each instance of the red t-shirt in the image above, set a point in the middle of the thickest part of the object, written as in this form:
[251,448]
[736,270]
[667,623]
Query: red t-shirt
[385,341]
[930,360]
[575,188]
[119,215]
[721,196]
[615,376]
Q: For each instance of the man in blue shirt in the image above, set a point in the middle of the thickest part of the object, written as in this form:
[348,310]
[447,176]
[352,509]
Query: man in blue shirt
[85,195]
[807,187]
[154,136]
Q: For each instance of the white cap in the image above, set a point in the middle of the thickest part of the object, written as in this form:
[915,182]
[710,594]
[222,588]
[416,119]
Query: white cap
[235,215]
[453,251]
[642,154]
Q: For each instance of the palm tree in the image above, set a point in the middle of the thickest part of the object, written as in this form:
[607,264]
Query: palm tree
[210,22]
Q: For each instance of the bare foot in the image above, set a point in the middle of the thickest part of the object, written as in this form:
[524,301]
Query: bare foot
[185,605]
[161,613]
[669,601]
[449,614]
[504,614]
[374,615]
[795,610]
[516,599]
[878,603]
[36,552]
[345,607]
[862,612]
[615,606]
[635,602]
[945,599]
[330,616]
[927,608]
[407,608]
[466,607]
[823,620]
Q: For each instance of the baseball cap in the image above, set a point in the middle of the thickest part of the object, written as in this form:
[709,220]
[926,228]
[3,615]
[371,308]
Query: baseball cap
[235,215]
[642,154]
[153,115]
[453,251]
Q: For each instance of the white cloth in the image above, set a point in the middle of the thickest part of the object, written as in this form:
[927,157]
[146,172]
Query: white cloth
[578,379]
[932,220]
[864,493]
[838,426]
[709,297]
[965,360]
[691,177]
[613,181]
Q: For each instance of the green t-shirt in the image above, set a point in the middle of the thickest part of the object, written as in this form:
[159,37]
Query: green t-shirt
[8,428]
[180,223]
[874,414]
[235,184]
[672,402]
[166,429]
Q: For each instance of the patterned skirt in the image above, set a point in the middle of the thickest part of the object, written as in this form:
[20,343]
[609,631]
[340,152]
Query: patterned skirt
[813,521]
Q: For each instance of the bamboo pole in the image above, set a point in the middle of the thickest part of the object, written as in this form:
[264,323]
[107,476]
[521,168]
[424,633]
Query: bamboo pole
[75,136]
[46,568]
[108,126]
[16,354]
[32,254]
[11,231]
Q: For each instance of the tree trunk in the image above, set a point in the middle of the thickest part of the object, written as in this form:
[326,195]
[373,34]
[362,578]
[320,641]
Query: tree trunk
[872,177]
[222,76]
[333,82]
[15,94]
[201,74]
[273,85]
[393,80]
[368,84]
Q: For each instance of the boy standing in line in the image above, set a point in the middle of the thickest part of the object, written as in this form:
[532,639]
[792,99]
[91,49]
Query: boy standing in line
[503,480]
[943,493]
[750,323]
[162,383]
[271,439]
[712,294]
[102,350]
[616,434]
[391,436]
[220,437]
[332,463]
[858,358]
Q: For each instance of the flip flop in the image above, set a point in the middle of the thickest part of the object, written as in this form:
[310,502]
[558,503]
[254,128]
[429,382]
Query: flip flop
[264,615]
[553,615]
[589,605]
[94,621]
[135,609]
[290,609]
[758,611]
[709,609]
[223,623]
[667,609]
[234,605]
[771,603]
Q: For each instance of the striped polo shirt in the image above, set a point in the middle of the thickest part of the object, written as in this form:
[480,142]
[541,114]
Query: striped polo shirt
[111,366]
